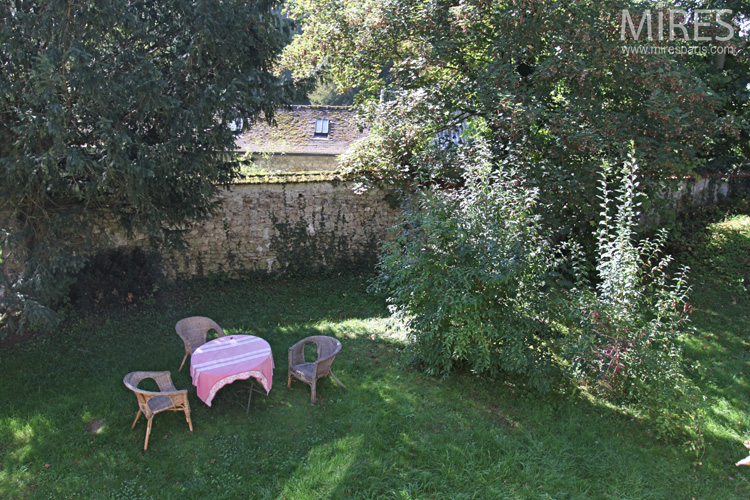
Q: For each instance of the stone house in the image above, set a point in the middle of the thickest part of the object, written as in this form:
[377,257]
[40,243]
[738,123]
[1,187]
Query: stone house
[305,139]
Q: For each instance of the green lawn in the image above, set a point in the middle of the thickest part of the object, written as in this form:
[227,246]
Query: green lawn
[391,433]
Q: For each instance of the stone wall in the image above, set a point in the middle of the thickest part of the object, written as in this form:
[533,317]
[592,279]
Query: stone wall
[290,162]
[700,192]
[239,239]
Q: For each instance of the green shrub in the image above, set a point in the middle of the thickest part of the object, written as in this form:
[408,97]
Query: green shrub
[634,322]
[117,277]
[31,294]
[477,284]
[469,274]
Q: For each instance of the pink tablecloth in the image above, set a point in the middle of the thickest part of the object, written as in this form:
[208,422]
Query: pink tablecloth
[226,359]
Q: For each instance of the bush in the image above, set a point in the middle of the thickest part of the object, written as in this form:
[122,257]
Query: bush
[477,284]
[117,277]
[634,322]
[31,294]
[469,274]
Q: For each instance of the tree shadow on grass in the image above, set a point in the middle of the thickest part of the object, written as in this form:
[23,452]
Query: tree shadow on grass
[415,436]
[398,434]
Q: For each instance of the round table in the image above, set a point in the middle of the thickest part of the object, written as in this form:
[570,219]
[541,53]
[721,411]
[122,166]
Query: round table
[227,359]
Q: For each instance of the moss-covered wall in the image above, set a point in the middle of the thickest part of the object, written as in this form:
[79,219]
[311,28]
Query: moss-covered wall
[295,163]
[239,238]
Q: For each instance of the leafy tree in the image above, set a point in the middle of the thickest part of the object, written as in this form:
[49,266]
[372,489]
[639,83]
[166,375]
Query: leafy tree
[553,90]
[326,93]
[117,113]
[549,78]
[727,72]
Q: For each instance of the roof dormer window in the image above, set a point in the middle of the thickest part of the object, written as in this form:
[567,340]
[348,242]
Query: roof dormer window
[321,129]
[236,125]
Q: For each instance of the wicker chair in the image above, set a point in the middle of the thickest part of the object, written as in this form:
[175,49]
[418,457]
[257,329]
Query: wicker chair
[309,373]
[151,403]
[193,332]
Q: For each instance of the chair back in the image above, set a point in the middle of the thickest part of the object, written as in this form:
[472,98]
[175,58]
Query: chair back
[327,347]
[163,381]
[193,330]
[131,381]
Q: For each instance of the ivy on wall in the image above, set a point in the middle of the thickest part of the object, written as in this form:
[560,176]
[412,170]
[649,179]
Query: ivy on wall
[307,242]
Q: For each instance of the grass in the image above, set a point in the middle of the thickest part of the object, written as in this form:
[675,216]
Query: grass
[392,433]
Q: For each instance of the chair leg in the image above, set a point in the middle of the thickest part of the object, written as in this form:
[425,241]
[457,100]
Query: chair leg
[289,381]
[183,362]
[337,380]
[187,416]
[312,396]
[148,433]
[137,415]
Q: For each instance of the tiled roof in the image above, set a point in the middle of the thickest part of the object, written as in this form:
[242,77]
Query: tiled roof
[294,132]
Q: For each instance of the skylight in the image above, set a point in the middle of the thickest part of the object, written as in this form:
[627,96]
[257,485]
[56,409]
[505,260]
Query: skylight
[236,125]
[321,128]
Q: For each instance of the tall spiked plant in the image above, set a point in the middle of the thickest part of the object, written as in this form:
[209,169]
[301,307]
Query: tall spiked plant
[636,318]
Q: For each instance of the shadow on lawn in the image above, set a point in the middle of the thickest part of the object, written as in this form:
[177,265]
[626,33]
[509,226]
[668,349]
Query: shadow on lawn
[723,353]
[416,436]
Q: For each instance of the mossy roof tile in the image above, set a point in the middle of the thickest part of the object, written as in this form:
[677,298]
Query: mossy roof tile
[295,128]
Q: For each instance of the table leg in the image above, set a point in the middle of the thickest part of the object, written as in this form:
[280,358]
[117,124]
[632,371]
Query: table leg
[252,388]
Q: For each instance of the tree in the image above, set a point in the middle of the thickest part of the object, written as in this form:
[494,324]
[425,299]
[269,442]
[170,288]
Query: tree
[552,81]
[567,107]
[118,113]
[725,67]
[326,93]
